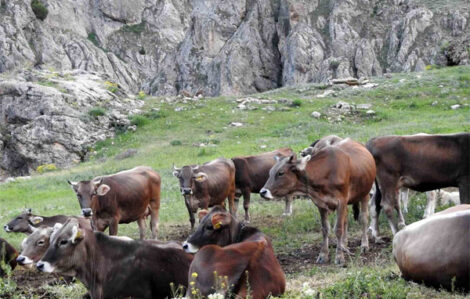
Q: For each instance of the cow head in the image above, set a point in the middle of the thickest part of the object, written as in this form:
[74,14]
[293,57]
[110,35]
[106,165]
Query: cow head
[34,246]
[86,190]
[215,227]
[63,251]
[23,223]
[191,179]
[284,177]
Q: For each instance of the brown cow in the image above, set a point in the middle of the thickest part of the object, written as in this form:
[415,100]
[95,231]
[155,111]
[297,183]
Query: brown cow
[27,222]
[115,267]
[8,255]
[241,256]
[334,177]
[435,250]
[207,185]
[251,172]
[35,245]
[419,162]
[319,144]
[123,197]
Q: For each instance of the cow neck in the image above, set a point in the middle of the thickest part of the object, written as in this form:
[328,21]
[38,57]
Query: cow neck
[91,271]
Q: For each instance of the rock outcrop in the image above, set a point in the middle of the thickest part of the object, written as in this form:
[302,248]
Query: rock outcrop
[233,47]
[55,118]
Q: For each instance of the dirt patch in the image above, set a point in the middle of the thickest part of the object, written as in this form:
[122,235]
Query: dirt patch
[30,282]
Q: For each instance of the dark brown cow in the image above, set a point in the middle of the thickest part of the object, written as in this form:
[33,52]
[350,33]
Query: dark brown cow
[435,250]
[207,185]
[419,162]
[334,177]
[35,245]
[8,254]
[115,267]
[26,222]
[123,197]
[240,256]
[251,172]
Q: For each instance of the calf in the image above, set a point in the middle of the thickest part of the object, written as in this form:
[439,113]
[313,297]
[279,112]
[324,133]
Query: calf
[232,258]
[335,176]
[207,185]
[26,222]
[8,256]
[436,250]
[123,197]
[251,172]
[35,245]
[419,162]
[115,267]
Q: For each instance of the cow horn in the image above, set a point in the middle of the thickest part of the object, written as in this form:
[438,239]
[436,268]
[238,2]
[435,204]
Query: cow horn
[176,168]
[98,182]
[195,167]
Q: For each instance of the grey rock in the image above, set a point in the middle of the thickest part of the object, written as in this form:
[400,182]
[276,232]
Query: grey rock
[364,106]
[455,107]
[316,114]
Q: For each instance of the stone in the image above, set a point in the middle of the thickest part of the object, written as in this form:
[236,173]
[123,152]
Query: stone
[370,112]
[363,106]
[236,124]
[455,107]
[316,114]
[327,93]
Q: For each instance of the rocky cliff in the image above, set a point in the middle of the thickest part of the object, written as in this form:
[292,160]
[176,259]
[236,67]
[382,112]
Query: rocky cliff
[210,47]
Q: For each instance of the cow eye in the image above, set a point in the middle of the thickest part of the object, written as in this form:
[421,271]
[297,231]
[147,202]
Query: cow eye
[210,227]
[63,242]
[280,173]
[40,242]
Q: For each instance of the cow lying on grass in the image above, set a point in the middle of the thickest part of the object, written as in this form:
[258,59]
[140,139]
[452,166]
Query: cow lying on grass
[8,256]
[336,175]
[124,197]
[115,267]
[232,258]
[35,245]
[26,222]
[436,250]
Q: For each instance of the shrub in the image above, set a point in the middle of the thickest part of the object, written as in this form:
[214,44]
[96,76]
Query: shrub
[137,28]
[113,87]
[46,168]
[97,111]
[93,39]
[39,9]
[296,103]
[141,95]
[176,142]
[139,120]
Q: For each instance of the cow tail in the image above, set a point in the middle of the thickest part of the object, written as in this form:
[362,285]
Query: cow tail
[356,211]
[377,197]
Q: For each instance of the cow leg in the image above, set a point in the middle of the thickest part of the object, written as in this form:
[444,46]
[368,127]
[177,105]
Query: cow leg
[345,241]
[232,205]
[404,198]
[191,214]
[113,227]
[324,255]
[464,190]
[246,204]
[401,219]
[288,207]
[154,215]
[341,214]
[364,216]
[141,223]
[388,204]
[431,200]
[374,219]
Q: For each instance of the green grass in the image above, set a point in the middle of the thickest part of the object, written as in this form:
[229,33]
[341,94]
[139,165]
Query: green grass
[165,137]
[97,111]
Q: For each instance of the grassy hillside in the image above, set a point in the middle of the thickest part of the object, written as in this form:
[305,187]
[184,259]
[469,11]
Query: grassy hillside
[403,104]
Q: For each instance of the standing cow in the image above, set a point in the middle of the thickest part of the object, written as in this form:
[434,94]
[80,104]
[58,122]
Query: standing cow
[123,197]
[419,162]
[335,176]
[241,256]
[207,185]
[27,222]
[251,172]
[115,267]
[436,250]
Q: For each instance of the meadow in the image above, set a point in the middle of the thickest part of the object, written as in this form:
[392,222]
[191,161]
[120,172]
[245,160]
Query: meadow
[176,131]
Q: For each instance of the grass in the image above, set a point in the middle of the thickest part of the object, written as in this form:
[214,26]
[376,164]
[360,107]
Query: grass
[137,28]
[403,105]
[96,111]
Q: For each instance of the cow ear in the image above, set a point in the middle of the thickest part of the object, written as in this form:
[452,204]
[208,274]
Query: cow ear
[73,184]
[276,158]
[176,171]
[220,220]
[77,234]
[303,162]
[202,214]
[102,190]
[201,177]
[29,211]
[35,220]
[292,158]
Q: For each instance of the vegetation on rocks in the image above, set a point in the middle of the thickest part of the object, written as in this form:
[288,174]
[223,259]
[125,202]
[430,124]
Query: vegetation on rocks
[39,9]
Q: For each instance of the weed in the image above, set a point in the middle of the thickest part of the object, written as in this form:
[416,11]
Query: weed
[176,142]
[97,111]
[141,95]
[296,103]
[46,168]
[111,86]
[139,120]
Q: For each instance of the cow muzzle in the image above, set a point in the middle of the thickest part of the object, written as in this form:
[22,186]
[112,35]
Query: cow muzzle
[190,248]
[24,260]
[7,228]
[87,212]
[265,193]
[186,191]
[44,267]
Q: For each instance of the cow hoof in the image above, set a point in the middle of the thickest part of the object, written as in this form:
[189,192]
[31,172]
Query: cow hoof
[322,259]
[378,240]
[286,214]
[364,249]
[339,260]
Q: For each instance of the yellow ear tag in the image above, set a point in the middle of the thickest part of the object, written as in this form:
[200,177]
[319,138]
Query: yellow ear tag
[36,221]
[200,178]
[218,225]
[79,234]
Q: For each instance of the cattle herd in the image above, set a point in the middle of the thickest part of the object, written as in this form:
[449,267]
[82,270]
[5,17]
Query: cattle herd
[229,256]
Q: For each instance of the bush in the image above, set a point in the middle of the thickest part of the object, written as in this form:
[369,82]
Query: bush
[97,111]
[39,10]
[46,168]
[137,28]
[296,103]
[113,87]
[141,95]
[176,142]
[139,120]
